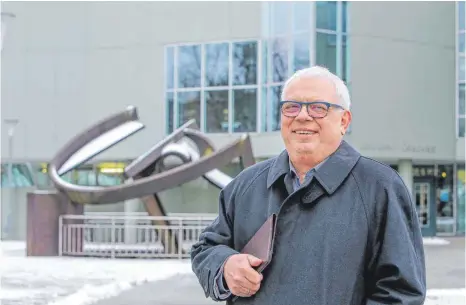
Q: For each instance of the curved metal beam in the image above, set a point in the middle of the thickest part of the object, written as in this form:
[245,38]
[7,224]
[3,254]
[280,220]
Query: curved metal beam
[85,145]
[142,186]
[146,160]
[143,183]
[152,184]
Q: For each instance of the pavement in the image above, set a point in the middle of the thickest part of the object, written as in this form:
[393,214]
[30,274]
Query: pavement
[445,270]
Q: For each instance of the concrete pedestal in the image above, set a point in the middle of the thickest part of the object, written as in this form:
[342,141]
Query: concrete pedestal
[43,211]
[405,169]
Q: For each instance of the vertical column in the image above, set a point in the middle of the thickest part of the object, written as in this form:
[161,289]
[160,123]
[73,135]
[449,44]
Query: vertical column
[405,169]
[43,211]
[131,207]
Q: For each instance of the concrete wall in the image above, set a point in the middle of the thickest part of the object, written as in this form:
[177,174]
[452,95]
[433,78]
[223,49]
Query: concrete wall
[402,69]
[66,65]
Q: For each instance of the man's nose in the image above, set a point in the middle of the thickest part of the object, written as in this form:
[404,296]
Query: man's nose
[303,114]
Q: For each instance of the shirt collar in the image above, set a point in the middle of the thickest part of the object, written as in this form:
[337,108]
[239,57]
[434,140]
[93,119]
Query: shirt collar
[315,168]
[331,173]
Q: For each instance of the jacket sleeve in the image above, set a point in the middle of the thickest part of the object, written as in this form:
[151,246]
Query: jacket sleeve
[396,265]
[220,290]
[214,246]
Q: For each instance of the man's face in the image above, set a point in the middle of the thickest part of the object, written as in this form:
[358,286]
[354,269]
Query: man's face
[305,135]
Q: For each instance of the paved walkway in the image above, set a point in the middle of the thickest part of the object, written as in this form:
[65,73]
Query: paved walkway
[445,264]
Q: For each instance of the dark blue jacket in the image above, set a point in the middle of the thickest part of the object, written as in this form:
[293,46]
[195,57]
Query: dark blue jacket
[350,235]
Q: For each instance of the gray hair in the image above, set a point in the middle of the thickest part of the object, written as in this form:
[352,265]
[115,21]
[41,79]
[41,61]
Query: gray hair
[318,71]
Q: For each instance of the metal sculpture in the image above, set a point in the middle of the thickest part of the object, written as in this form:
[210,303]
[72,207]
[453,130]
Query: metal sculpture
[148,174]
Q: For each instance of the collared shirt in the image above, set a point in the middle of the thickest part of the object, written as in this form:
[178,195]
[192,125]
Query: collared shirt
[307,177]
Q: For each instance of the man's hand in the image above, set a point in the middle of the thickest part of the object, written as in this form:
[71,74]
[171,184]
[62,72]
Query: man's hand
[241,278]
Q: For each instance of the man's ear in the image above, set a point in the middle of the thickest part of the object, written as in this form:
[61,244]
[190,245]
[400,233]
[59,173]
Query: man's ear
[345,121]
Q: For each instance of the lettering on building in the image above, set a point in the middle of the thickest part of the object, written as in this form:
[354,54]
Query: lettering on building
[428,149]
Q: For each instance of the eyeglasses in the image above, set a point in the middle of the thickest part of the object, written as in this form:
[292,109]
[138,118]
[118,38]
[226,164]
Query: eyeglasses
[314,109]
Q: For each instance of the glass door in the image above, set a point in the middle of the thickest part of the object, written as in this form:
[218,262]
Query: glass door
[424,200]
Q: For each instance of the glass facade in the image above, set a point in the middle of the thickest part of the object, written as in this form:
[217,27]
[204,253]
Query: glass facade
[444,198]
[460,67]
[216,84]
[460,199]
[35,175]
[448,182]
[235,86]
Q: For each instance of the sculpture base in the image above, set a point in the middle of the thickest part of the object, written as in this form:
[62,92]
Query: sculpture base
[43,211]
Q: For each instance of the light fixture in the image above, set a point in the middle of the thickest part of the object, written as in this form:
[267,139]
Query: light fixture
[6,18]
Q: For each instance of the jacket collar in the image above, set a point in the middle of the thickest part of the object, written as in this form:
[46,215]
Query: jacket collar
[330,174]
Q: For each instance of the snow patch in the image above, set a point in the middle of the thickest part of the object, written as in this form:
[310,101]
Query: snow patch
[446,297]
[435,241]
[90,294]
[75,281]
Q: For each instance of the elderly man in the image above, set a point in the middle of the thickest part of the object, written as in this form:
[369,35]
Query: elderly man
[346,231]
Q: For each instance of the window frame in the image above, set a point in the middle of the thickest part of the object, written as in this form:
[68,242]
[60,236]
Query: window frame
[264,120]
[458,55]
[202,89]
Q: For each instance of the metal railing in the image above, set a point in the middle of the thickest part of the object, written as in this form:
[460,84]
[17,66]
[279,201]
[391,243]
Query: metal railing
[130,235]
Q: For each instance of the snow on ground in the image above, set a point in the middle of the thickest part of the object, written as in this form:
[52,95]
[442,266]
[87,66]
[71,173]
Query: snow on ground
[435,241]
[74,281]
[83,281]
[446,297]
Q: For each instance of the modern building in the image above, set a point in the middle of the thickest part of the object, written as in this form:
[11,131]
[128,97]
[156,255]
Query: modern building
[66,65]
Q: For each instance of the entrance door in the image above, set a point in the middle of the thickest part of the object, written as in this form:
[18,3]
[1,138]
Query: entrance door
[424,197]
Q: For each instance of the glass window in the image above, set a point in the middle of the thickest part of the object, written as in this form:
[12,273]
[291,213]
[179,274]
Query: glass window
[461,99]
[326,15]
[279,60]
[461,42]
[461,68]
[20,176]
[245,110]
[189,107]
[294,49]
[216,64]
[245,63]
[301,46]
[344,58]
[105,179]
[460,199]
[170,66]
[189,66]
[42,179]
[264,111]
[302,16]
[285,50]
[216,111]
[344,15]
[326,51]
[461,14]
[265,62]
[444,199]
[170,111]
[461,127]
[275,97]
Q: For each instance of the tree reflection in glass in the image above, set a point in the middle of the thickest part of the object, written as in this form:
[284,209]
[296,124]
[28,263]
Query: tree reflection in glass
[189,66]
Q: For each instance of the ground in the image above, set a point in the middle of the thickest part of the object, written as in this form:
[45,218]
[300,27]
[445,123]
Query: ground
[445,270]
[85,281]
